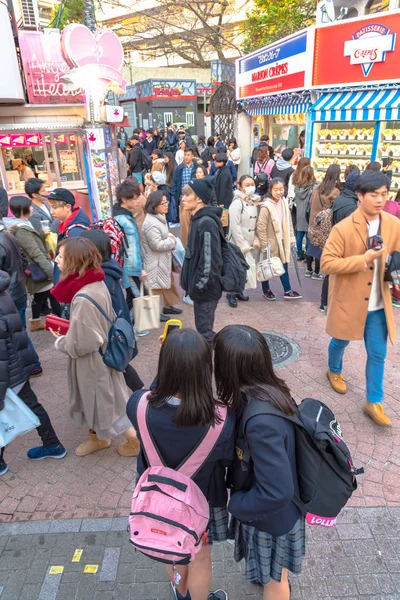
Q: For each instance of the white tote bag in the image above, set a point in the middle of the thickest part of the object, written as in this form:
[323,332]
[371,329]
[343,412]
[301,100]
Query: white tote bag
[15,419]
[146,310]
[269,267]
[251,281]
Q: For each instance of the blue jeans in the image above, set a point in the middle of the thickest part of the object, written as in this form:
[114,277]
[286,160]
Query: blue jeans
[375,339]
[284,280]
[299,241]
[22,314]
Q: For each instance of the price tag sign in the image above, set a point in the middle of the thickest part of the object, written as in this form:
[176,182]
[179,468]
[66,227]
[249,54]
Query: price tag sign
[91,569]
[56,570]
[77,555]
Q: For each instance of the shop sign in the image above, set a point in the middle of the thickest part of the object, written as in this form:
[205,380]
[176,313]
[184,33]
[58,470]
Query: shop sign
[113,114]
[165,90]
[366,51]
[20,140]
[68,161]
[281,67]
[44,67]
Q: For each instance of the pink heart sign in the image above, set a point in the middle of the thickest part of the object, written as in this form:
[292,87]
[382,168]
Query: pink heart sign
[82,47]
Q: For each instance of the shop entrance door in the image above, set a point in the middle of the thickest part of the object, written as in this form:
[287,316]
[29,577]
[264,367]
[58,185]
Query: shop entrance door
[223,108]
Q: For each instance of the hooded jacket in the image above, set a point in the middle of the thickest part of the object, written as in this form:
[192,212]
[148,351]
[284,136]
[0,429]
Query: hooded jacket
[11,263]
[133,265]
[17,357]
[34,250]
[223,186]
[344,205]
[282,169]
[202,267]
[302,198]
[157,252]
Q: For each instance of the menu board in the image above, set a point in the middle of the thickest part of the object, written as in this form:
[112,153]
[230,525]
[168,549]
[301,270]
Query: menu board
[68,161]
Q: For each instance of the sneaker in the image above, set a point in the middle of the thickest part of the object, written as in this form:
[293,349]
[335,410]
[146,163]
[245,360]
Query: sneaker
[37,372]
[291,295]
[142,333]
[177,595]
[395,303]
[3,467]
[218,595]
[337,382]
[268,295]
[308,274]
[39,453]
[323,308]
[317,276]
[188,300]
[174,225]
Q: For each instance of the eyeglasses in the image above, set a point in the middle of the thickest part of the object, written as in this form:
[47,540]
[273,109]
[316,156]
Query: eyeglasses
[164,203]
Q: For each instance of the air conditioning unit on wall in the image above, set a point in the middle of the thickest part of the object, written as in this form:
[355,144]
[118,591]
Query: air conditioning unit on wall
[29,13]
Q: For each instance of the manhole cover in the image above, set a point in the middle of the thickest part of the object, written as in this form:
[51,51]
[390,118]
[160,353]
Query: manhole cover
[283,349]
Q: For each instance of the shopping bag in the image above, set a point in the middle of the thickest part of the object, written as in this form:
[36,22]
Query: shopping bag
[269,267]
[178,256]
[15,419]
[225,218]
[51,244]
[251,281]
[146,310]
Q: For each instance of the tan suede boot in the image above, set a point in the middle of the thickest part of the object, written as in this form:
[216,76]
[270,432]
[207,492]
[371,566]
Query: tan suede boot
[337,382]
[377,414]
[129,448]
[93,444]
[36,325]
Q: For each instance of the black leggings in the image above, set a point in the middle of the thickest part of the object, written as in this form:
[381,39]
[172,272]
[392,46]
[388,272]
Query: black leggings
[45,429]
[309,260]
[39,303]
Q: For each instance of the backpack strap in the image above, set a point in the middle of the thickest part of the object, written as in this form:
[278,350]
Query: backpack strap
[96,305]
[199,455]
[152,455]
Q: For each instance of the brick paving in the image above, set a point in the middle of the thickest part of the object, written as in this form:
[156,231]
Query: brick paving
[359,559]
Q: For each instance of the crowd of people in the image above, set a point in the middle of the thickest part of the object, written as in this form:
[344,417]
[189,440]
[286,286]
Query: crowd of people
[270,216]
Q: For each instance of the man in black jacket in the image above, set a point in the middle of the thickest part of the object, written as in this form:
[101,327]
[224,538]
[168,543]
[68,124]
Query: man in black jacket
[149,143]
[202,268]
[135,158]
[284,167]
[223,181]
[17,361]
[342,207]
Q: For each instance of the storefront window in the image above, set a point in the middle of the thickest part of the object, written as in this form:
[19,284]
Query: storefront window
[287,130]
[54,157]
[389,150]
[343,144]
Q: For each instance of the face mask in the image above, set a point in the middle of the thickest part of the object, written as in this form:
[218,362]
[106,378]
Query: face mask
[250,190]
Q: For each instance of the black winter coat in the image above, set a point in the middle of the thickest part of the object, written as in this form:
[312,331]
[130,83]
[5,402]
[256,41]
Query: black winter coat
[344,205]
[202,267]
[11,263]
[135,159]
[17,358]
[223,186]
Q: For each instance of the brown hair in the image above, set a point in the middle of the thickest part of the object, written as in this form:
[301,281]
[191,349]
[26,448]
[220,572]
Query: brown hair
[263,154]
[303,162]
[153,201]
[80,255]
[307,177]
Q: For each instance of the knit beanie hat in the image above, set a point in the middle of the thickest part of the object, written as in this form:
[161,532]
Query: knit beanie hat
[351,181]
[204,189]
[159,177]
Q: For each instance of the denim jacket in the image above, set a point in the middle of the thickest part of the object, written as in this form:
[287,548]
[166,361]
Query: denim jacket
[133,265]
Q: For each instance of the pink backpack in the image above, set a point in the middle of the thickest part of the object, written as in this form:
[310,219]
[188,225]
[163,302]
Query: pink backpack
[266,167]
[169,512]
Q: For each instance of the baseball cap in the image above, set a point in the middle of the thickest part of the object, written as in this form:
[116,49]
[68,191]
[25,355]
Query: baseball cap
[62,195]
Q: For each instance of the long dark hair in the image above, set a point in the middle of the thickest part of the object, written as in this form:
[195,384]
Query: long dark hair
[303,162]
[243,369]
[185,370]
[330,181]
[171,165]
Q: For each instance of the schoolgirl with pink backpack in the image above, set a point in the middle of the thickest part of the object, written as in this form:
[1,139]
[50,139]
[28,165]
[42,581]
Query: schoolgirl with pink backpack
[264,163]
[187,441]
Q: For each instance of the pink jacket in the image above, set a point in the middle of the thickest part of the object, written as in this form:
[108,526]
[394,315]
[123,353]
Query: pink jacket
[393,208]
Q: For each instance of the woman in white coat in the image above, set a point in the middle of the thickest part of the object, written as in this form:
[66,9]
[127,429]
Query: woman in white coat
[243,213]
[157,246]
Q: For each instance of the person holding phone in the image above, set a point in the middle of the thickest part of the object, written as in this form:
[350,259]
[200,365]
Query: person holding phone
[360,304]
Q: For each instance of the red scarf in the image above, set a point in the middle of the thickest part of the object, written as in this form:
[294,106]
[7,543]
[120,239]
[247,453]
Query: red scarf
[63,226]
[66,289]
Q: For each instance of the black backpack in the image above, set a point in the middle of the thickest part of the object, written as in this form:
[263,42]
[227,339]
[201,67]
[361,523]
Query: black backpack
[234,268]
[146,161]
[325,471]
[121,340]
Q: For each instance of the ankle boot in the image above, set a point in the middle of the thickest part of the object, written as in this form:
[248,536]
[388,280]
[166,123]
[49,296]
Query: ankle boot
[129,448]
[92,445]
[36,325]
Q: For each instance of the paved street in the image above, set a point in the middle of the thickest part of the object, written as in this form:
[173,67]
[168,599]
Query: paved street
[90,497]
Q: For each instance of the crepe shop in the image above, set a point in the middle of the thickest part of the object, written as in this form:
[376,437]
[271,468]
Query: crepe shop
[356,118]
[273,88]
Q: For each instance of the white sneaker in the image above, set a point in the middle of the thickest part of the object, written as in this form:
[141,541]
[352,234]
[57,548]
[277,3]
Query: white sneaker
[188,300]
[174,225]
[142,333]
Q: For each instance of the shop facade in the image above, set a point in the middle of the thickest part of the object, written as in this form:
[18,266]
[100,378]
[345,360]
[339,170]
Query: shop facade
[359,121]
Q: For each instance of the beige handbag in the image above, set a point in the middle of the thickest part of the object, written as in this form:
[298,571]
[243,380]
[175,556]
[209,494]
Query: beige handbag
[146,310]
[269,267]
[225,217]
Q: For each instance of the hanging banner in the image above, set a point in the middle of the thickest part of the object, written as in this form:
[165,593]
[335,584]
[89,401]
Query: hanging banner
[366,51]
[284,66]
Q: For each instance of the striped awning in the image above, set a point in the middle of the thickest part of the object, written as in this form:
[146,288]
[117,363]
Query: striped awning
[378,105]
[289,104]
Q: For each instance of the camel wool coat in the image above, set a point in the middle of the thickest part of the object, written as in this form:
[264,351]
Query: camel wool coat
[269,230]
[157,252]
[98,394]
[350,279]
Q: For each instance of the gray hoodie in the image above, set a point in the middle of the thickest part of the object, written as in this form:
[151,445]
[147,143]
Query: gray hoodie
[302,198]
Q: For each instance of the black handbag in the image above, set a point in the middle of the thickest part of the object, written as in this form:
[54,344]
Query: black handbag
[392,270]
[36,272]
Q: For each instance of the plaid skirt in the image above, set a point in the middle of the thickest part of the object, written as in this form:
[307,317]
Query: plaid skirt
[218,527]
[265,555]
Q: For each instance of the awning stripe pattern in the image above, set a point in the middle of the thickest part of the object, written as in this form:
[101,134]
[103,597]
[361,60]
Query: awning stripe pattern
[278,105]
[377,105]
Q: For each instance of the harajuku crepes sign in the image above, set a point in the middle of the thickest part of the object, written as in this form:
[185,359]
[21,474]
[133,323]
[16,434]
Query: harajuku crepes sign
[369,46]
[96,60]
